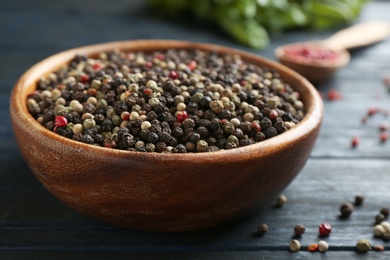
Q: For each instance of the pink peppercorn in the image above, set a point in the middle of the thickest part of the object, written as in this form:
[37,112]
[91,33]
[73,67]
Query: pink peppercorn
[324,229]
[148,91]
[334,95]
[383,127]
[149,64]
[125,115]
[60,121]
[273,114]
[173,75]
[384,136]
[97,66]
[192,65]
[372,111]
[160,56]
[84,78]
[256,127]
[312,247]
[355,141]
[182,116]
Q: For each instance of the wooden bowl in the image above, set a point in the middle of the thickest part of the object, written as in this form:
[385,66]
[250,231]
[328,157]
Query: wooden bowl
[163,192]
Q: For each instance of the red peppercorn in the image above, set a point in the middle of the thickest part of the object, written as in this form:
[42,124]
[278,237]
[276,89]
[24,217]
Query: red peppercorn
[109,144]
[160,56]
[192,65]
[355,141]
[334,95]
[173,75]
[125,115]
[84,78]
[256,127]
[325,229]
[243,82]
[149,64]
[273,114]
[312,247]
[182,116]
[384,136]
[148,91]
[61,121]
[92,91]
[383,127]
[97,66]
[224,121]
[372,111]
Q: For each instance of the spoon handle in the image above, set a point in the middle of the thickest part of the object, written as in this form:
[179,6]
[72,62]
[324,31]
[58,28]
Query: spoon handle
[359,35]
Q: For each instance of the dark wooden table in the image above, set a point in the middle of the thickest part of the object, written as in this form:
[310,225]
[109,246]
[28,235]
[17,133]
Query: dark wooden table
[35,225]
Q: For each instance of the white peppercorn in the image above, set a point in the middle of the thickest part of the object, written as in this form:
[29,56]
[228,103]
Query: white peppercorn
[295,245]
[378,230]
[133,115]
[78,128]
[145,125]
[235,121]
[181,106]
[323,246]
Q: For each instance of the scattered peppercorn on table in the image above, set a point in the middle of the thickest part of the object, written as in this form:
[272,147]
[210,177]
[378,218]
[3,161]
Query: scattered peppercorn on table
[337,208]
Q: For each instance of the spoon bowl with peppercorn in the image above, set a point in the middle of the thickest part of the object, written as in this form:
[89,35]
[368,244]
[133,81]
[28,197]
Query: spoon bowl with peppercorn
[164,135]
[319,60]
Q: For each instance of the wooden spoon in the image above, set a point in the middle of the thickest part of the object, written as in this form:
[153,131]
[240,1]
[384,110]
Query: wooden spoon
[319,70]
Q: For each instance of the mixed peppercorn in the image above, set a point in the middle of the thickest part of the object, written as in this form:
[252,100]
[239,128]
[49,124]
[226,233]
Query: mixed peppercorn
[381,230]
[167,101]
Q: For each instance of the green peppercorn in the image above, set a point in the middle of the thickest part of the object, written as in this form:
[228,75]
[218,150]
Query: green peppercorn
[116,120]
[233,139]
[363,245]
[228,127]
[216,106]
[89,123]
[201,146]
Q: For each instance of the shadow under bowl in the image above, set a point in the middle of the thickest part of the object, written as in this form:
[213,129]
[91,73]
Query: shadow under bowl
[163,191]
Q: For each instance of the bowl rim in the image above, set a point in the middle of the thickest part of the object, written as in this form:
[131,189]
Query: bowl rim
[26,85]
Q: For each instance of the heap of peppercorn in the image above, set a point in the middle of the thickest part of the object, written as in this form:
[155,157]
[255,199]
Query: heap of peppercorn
[165,101]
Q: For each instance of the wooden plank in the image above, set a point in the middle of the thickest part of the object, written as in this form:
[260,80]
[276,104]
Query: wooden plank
[33,220]
[268,255]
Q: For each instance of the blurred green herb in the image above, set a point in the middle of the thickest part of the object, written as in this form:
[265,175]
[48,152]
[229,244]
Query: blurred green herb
[251,21]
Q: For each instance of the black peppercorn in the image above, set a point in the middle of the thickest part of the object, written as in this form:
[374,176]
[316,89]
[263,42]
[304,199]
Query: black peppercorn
[299,230]
[202,131]
[385,212]
[346,210]
[87,139]
[270,132]
[160,147]
[359,199]
[379,218]
[262,229]
[152,137]
[163,137]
